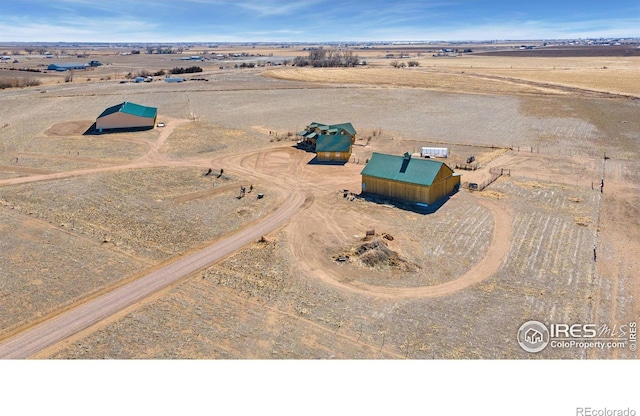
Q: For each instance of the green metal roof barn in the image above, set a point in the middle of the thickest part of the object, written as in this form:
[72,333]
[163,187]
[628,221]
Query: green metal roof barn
[406,178]
[127,116]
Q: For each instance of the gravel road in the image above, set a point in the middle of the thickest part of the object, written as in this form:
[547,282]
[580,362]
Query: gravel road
[29,342]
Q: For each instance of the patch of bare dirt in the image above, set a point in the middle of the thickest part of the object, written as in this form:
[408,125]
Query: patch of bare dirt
[69,128]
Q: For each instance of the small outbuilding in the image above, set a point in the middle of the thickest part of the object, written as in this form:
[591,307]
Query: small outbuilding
[127,116]
[411,179]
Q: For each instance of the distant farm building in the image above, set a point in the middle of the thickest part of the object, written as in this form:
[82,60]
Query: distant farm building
[66,67]
[333,148]
[401,177]
[314,130]
[127,116]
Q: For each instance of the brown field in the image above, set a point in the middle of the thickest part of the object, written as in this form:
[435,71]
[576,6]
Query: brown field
[481,74]
[83,214]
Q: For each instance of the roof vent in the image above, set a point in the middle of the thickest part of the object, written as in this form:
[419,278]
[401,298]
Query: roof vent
[405,162]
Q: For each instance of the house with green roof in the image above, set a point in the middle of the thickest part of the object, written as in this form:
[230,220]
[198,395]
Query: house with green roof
[314,130]
[127,116]
[333,148]
[406,178]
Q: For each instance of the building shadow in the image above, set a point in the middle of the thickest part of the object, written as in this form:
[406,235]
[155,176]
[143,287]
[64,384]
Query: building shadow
[304,146]
[417,207]
[315,161]
[93,131]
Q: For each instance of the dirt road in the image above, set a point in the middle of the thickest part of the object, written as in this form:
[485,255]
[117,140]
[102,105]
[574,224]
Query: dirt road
[318,265]
[64,325]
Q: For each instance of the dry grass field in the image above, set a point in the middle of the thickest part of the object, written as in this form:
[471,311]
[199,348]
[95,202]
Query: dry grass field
[81,214]
[482,74]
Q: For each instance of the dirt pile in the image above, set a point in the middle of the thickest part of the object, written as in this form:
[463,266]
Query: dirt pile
[376,252]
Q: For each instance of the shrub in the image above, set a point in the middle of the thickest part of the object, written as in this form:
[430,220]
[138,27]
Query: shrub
[190,70]
[19,83]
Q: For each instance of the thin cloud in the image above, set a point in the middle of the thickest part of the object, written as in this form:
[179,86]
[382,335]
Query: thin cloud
[307,21]
[275,8]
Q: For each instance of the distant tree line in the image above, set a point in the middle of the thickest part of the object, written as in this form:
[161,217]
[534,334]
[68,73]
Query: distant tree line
[24,69]
[190,70]
[163,50]
[144,73]
[18,82]
[333,57]
[398,64]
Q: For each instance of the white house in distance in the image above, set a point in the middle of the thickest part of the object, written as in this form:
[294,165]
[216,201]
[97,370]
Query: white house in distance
[127,116]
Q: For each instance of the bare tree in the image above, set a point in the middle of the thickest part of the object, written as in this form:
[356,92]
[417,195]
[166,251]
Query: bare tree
[349,58]
[333,57]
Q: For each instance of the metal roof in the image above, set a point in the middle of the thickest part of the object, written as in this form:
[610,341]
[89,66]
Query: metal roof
[333,143]
[348,127]
[66,66]
[131,108]
[402,169]
[334,128]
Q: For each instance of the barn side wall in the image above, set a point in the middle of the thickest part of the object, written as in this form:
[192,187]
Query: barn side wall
[443,185]
[123,121]
[333,156]
[394,189]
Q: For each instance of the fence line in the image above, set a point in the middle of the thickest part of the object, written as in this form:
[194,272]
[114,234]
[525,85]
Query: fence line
[596,153]
[495,174]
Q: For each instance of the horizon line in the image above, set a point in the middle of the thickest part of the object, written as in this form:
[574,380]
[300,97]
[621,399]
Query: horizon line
[424,41]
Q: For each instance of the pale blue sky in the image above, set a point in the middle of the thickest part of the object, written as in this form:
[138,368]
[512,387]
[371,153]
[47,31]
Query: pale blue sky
[313,20]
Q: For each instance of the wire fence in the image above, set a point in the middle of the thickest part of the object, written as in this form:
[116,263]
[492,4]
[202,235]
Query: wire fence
[595,152]
[495,173]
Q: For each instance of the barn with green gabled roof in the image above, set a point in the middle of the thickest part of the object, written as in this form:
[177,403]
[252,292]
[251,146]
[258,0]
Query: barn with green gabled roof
[333,148]
[127,116]
[410,179]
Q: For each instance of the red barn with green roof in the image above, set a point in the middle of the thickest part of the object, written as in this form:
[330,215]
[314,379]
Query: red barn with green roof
[127,116]
[407,178]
